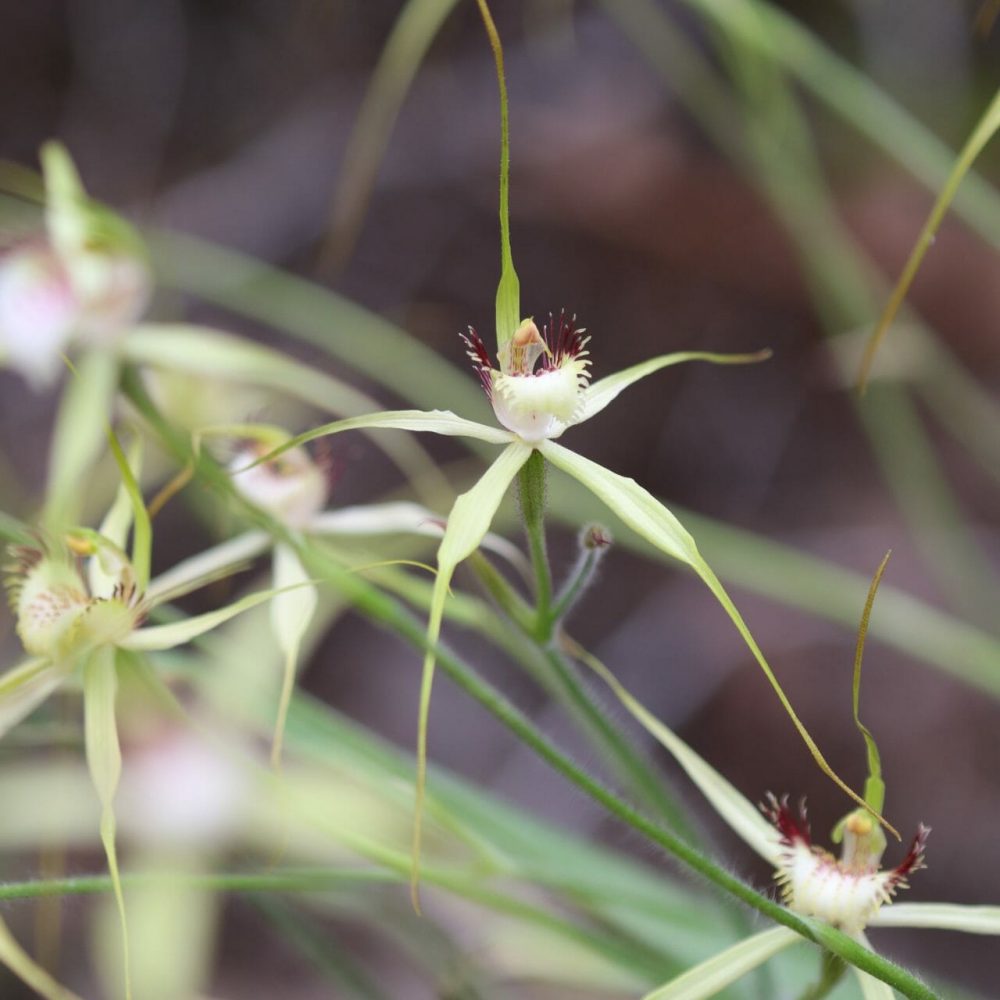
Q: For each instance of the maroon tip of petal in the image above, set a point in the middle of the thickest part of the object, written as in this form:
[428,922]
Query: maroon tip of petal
[793,828]
[564,339]
[480,358]
[914,859]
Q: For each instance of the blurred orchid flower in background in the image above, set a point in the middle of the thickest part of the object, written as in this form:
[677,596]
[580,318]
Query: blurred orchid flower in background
[85,282]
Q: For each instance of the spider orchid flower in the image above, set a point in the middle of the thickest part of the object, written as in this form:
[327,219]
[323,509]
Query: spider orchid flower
[850,893]
[81,605]
[541,387]
[536,406]
[295,488]
[85,282]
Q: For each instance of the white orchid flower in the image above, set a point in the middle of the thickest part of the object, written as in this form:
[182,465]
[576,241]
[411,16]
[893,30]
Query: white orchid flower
[851,893]
[86,282]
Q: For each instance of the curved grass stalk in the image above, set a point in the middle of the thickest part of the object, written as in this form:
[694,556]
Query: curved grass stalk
[985,129]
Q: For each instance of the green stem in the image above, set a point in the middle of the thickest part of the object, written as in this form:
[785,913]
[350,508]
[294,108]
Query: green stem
[507,599]
[576,585]
[531,489]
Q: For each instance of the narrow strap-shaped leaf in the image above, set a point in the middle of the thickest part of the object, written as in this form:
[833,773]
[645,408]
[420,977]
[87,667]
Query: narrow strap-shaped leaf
[26,969]
[943,916]
[468,522]
[388,83]
[104,759]
[78,436]
[25,687]
[291,612]
[599,394]
[159,637]
[983,132]
[647,517]
[738,811]
[712,976]
[207,566]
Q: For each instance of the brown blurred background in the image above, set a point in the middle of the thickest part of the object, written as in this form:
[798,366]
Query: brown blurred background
[229,120]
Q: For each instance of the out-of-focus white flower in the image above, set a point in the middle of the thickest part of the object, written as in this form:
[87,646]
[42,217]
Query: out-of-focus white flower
[85,282]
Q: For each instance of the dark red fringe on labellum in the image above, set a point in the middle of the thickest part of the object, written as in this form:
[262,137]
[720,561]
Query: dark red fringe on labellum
[793,829]
[480,358]
[914,859]
[564,341]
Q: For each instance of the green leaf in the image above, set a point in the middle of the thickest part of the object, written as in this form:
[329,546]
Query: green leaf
[159,637]
[25,687]
[104,759]
[25,968]
[78,436]
[412,33]
[646,516]
[468,522]
[599,394]
[943,916]
[983,132]
[711,977]
[292,610]
[731,805]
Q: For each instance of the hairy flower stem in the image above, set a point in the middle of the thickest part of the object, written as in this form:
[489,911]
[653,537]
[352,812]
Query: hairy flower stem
[385,610]
[531,490]
[632,769]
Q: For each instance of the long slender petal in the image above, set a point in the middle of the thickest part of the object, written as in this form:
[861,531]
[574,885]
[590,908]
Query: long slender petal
[468,522]
[647,517]
[195,572]
[739,812]
[104,759]
[25,968]
[715,974]
[404,516]
[943,916]
[291,612]
[432,421]
[25,687]
[157,637]
[605,390]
